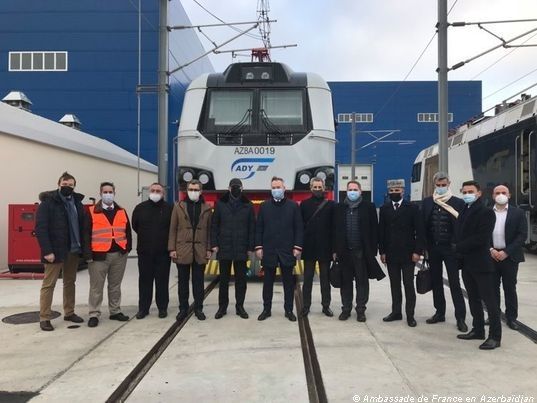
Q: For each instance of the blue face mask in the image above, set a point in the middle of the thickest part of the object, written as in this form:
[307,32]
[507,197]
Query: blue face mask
[441,190]
[353,195]
[277,194]
[469,198]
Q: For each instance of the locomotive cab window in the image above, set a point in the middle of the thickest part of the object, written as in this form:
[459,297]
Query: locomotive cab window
[229,110]
[282,110]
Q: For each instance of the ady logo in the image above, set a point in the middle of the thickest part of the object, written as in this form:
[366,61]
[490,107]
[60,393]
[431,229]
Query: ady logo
[245,168]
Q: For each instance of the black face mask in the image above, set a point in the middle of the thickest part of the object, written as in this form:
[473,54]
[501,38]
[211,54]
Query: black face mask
[235,191]
[66,191]
[319,194]
[395,197]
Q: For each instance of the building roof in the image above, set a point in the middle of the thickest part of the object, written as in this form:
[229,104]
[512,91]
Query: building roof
[20,123]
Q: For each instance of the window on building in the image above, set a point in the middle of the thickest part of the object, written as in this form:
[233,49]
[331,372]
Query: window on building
[38,61]
[432,117]
[360,117]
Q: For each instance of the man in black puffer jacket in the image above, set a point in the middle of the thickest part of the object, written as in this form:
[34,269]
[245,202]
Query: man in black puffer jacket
[58,228]
[232,237]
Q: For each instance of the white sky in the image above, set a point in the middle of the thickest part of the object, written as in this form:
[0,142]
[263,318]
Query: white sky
[379,40]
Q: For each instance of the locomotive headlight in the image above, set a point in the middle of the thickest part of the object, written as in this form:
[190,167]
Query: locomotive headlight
[188,176]
[204,178]
[304,177]
[321,174]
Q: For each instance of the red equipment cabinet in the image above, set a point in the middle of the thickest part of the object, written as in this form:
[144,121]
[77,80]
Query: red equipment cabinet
[23,249]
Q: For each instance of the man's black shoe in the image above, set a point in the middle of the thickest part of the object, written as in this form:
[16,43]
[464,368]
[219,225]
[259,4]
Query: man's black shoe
[328,312]
[220,313]
[181,316]
[46,325]
[73,318]
[93,322]
[241,312]
[461,325]
[199,314]
[162,313]
[393,316]
[291,316]
[141,315]
[512,325]
[490,344]
[264,315]
[344,315]
[120,317]
[411,322]
[436,318]
[360,316]
[305,311]
[472,335]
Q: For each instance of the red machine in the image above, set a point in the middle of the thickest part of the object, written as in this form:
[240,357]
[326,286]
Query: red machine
[23,250]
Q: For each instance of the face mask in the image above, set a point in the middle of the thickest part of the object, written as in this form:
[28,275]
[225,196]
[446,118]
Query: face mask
[469,198]
[501,199]
[441,190]
[277,194]
[353,195]
[395,197]
[155,197]
[66,191]
[235,191]
[318,193]
[194,195]
[108,198]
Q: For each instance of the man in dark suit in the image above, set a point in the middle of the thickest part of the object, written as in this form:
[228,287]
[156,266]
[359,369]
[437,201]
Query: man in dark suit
[278,239]
[400,244]
[508,237]
[473,233]
[317,214]
[355,245]
[439,213]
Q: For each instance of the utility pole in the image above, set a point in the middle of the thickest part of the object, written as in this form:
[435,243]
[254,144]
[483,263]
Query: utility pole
[442,28]
[163,94]
[353,146]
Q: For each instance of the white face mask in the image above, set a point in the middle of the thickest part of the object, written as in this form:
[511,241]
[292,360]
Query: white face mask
[194,195]
[155,197]
[501,199]
[108,198]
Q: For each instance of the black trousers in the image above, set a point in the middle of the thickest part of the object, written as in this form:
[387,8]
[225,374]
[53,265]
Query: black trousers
[198,271]
[506,273]
[153,268]
[288,287]
[480,286]
[437,255]
[239,267]
[309,272]
[354,268]
[406,270]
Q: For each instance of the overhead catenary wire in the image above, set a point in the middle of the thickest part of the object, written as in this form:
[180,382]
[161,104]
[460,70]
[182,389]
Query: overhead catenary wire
[511,83]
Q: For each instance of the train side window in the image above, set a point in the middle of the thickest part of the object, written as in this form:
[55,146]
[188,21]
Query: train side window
[416,172]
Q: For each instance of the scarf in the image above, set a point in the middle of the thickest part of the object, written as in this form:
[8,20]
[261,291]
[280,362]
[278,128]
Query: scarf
[441,200]
[353,204]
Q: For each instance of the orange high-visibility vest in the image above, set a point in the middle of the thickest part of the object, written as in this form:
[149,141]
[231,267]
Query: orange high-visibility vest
[103,232]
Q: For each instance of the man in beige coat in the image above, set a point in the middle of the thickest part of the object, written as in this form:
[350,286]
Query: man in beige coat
[189,246]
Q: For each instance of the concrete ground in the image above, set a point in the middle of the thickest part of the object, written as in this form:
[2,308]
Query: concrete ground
[233,359]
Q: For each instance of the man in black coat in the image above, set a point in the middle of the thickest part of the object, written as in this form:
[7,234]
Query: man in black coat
[355,246]
[473,234]
[232,238]
[400,244]
[508,238]
[151,221]
[59,231]
[439,213]
[317,216]
[278,238]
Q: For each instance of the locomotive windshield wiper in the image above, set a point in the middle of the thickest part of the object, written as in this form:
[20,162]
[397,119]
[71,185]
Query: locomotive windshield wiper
[271,127]
[241,125]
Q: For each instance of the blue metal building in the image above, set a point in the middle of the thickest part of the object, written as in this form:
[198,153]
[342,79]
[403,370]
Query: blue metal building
[409,107]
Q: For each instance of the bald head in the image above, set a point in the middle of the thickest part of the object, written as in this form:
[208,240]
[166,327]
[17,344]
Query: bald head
[501,190]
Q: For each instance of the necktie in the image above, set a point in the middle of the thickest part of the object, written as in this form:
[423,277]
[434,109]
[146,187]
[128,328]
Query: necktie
[396,206]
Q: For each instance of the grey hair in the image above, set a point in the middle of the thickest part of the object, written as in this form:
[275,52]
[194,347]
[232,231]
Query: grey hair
[316,179]
[440,176]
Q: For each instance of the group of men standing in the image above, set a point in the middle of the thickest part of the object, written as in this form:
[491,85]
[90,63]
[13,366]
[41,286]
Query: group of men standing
[461,234]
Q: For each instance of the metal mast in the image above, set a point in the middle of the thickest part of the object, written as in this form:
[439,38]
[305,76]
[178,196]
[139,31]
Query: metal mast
[163,95]
[263,54]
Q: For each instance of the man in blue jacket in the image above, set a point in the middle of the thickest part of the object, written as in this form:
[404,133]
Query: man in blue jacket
[59,221]
[278,240]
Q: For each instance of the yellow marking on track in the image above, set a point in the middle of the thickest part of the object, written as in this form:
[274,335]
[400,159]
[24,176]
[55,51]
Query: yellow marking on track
[212,268]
